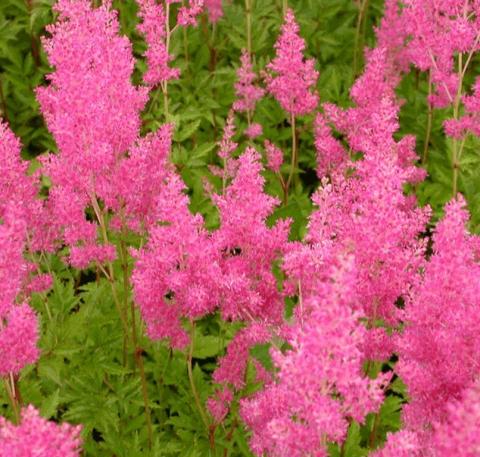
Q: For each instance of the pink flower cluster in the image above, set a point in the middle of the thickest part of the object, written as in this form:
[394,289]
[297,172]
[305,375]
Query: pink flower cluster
[155,27]
[432,36]
[20,212]
[457,434]
[93,112]
[290,78]
[320,381]
[439,347]
[246,91]
[153,18]
[184,271]
[35,436]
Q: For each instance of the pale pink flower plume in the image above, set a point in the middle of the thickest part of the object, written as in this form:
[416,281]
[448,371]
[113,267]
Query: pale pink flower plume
[319,383]
[35,436]
[246,91]
[153,28]
[274,156]
[290,78]
[215,10]
[253,131]
[440,345]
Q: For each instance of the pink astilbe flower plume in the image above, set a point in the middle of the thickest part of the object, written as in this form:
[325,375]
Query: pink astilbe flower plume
[185,271]
[457,434]
[290,78]
[246,91]
[153,18]
[93,112]
[35,436]
[274,156]
[215,10]
[362,207]
[188,15]
[431,36]
[19,192]
[177,273]
[248,247]
[319,384]
[330,153]
[18,339]
[440,345]
[21,229]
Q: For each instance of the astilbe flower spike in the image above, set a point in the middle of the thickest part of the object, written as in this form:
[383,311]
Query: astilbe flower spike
[440,345]
[20,215]
[176,275]
[319,383]
[93,112]
[362,207]
[188,15]
[35,436]
[215,10]
[153,18]
[274,156]
[290,78]
[184,271]
[246,91]
[457,434]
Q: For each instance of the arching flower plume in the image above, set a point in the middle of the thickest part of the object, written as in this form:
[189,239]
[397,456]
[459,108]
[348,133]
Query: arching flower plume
[37,436]
[290,78]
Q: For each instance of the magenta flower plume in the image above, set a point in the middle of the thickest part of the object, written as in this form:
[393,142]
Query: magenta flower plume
[404,443]
[153,27]
[215,10]
[18,340]
[248,246]
[19,193]
[274,156]
[188,15]
[290,78]
[93,112]
[440,345]
[246,91]
[177,273]
[185,271]
[35,436]
[458,434]
[21,229]
[319,383]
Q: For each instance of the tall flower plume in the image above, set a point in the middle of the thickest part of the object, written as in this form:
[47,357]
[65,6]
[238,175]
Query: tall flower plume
[290,78]
[35,436]
[93,112]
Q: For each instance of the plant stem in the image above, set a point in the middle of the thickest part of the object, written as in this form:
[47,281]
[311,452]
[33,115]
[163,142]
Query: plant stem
[198,403]
[373,433]
[14,400]
[294,160]
[164,84]
[137,350]
[358,45]
[3,102]
[248,15]
[285,7]
[429,120]
[185,49]
[456,109]
[110,273]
